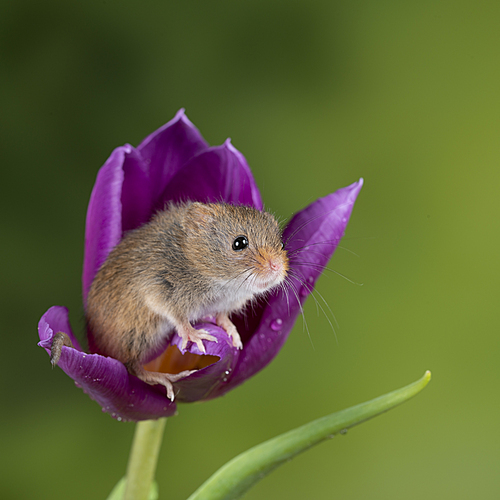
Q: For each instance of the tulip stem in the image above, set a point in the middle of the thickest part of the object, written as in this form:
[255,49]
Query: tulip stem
[143,458]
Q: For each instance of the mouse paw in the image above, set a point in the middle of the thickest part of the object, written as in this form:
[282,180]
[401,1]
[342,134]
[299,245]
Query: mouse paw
[223,321]
[165,379]
[190,334]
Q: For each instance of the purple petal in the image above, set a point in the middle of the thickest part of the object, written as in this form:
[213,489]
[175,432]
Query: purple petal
[218,174]
[104,379]
[136,199]
[319,227]
[168,149]
[120,201]
[103,229]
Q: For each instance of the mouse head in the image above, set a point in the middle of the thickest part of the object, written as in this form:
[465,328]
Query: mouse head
[236,243]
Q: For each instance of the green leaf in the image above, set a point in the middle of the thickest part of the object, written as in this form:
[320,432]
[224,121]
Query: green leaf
[119,490]
[240,474]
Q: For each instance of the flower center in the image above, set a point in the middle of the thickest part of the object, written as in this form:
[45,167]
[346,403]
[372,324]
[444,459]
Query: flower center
[171,360]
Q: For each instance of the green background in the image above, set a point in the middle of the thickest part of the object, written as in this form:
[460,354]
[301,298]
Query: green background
[315,94]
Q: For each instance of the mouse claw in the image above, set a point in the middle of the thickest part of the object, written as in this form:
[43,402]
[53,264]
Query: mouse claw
[190,334]
[174,378]
[224,322]
[153,378]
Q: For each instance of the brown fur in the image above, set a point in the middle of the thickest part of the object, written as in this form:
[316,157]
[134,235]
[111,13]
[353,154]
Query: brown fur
[177,269]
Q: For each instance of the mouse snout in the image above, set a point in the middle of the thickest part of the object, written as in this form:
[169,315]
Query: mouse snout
[273,266]
[276,264]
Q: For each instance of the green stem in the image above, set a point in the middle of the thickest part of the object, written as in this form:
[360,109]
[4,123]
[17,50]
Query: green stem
[143,457]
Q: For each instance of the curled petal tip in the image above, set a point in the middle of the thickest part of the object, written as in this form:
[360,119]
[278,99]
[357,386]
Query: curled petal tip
[180,113]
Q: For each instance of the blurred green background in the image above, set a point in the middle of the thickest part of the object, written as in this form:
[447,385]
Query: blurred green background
[315,94]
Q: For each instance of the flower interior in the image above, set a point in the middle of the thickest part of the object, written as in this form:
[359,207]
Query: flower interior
[171,360]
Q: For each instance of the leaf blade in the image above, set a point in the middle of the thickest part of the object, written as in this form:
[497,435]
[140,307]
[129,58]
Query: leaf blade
[236,477]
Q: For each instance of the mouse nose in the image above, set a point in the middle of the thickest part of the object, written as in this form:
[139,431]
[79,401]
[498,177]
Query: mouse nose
[275,266]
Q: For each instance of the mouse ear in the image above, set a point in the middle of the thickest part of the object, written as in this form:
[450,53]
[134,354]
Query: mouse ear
[200,214]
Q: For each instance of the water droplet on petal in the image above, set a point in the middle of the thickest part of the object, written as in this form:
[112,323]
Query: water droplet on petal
[227,372]
[276,324]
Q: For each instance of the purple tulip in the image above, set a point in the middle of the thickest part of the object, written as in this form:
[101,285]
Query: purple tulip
[172,164]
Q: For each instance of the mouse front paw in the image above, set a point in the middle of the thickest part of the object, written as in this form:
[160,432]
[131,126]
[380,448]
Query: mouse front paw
[223,321]
[190,334]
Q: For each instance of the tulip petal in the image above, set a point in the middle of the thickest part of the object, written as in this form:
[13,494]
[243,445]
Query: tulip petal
[103,229]
[136,195]
[218,174]
[104,379]
[168,149]
[321,224]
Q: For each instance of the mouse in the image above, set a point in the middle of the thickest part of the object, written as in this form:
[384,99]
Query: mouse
[192,260]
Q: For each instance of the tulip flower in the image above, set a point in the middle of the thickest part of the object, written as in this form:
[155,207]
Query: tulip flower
[174,164]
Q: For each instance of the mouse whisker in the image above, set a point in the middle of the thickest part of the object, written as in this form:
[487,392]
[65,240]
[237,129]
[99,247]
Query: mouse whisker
[313,293]
[325,242]
[304,322]
[284,287]
[320,267]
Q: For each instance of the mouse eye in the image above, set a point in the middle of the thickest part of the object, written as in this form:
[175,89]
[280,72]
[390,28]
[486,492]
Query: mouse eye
[282,246]
[240,243]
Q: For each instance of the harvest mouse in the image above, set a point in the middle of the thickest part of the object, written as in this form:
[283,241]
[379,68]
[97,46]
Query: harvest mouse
[190,261]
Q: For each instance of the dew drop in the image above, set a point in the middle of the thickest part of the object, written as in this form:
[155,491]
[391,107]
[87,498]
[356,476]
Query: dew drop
[277,324]
[119,419]
[78,385]
[343,432]
[227,372]
[224,379]
[262,336]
